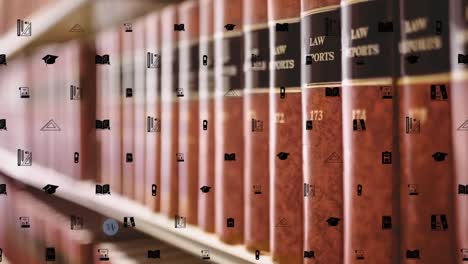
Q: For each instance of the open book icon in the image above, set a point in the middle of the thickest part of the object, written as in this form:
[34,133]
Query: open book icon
[103,189]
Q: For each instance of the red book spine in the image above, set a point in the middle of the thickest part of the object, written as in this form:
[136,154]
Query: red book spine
[256,125]
[229,184]
[286,215]
[426,195]
[153,113]
[459,112]
[188,109]
[322,131]
[169,113]
[368,68]
[206,177]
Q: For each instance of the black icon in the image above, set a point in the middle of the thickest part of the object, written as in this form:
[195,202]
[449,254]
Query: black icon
[3,124]
[205,124]
[386,92]
[438,27]
[76,157]
[461,59]
[257,188]
[441,224]
[128,157]
[104,124]
[103,189]
[103,254]
[334,158]
[50,189]
[76,222]
[413,126]
[129,221]
[3,189]
[361,126]
[205,254]
[104,59]
[257,61]
[154,254]
[3,59]
[282,27]
[464,252]
[332,91]
[152,60]
[180,221]
[24,158]
[359,254]
[386,26]
[257,125]
[179,27]
[230,156]
[180,92]
[386,157]
[282,155]
[1,254]
[75,92]
[49,59]
[439,94]
[128,27]
[309,190]
[205,60]
[412,59]
[309,254]
[413,189]
[386,222]
[309,125]
[412,254]
[24,222]
[230,222]
[464,126]
[128,92]
[359,190]
[50,254]
[333,221]
[153,124]
[23,28]
[24,92]
[282,92]
[205,189]
[154,189]
[439,156]
[76,28]
[257,254]
[180,157]
[229,27]
[308,60]
[51,125]
[462,189]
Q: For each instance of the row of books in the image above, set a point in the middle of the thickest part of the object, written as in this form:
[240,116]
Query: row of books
[312,130]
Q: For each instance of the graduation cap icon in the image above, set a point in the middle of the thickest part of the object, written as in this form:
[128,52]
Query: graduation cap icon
[282,155]
[229,27]
[439,156]
[205,189]
[333,221]
[49,59]
[50,189]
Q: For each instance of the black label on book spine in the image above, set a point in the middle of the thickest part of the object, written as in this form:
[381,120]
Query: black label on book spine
[287,56]
[232,63]
[424,48]
[194,66]
[256,59]
[175,70]
[367,53]
[322,47]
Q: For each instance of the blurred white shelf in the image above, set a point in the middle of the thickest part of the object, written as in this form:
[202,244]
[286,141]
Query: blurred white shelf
[191,239]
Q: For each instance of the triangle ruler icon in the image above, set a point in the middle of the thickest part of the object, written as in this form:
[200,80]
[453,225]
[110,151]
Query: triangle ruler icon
[50,126]
[334,158]
[76,28]
[232,93]
[464,126]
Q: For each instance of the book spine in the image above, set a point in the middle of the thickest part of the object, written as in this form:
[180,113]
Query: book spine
[206,202]
[459,112]
[285,148]
[169,113]
[368,67]
[322,130]
[229,184]
[256,125]
[188,109]
[426,152]
[139,119]
[153,93]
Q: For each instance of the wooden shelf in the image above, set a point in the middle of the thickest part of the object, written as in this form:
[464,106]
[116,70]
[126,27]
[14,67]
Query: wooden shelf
[191,239]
